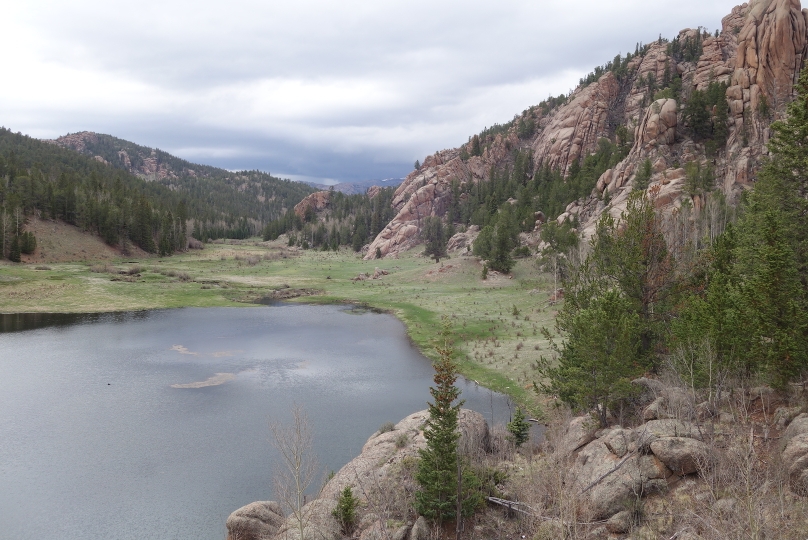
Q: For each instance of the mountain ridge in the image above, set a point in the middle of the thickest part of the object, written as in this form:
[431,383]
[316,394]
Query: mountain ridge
[261,193]
[756,57]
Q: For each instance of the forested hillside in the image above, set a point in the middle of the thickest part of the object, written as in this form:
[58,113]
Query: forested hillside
[687,116]
[252,194]
[342,220]
[125,209]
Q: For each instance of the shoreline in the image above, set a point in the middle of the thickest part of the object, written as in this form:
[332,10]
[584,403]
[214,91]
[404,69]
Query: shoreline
[495,321]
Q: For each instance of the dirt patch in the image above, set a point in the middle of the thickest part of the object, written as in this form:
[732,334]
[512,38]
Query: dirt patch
[59,242]
[442,269]
[283,294]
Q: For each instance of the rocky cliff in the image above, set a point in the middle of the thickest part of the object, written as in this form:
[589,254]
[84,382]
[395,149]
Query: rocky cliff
[316,202]
[758,54]
[147,163]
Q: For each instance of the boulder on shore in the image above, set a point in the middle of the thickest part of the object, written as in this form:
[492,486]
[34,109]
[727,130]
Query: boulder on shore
[258,520]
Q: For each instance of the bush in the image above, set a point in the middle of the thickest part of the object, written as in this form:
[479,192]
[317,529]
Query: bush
[402,440]
[345,512]
[387,426]
[522,251]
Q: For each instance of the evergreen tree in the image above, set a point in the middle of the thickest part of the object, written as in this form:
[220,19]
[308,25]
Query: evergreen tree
[614,313]
[14,253]
[345,512]
[434,238]
[438,467]
[599,358]
[519,428]
[501,259]
[773,249]
[776,303]
[27,243]
[631,256]
[475,146]
[643,176]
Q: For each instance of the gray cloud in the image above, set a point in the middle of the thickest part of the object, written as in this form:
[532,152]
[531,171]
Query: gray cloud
[345,90]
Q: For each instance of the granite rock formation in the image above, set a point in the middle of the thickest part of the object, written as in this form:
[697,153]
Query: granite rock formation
[758,53]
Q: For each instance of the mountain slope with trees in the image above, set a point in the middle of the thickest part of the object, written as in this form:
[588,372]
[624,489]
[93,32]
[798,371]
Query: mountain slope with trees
[688,116]
[125,209]
[254,195]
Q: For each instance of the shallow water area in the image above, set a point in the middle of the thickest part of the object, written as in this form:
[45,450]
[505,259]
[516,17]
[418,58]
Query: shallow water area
[155,424]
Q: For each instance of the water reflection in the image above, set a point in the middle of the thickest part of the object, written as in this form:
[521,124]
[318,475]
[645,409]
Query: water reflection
[154,423]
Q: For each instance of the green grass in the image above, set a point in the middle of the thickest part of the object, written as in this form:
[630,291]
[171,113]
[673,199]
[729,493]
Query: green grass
[495,347]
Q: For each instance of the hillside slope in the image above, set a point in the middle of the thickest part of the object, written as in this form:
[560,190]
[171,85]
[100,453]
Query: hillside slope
[699,99]
[253,194]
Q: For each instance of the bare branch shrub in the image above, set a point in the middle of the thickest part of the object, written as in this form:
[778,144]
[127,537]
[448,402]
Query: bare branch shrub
[297,467]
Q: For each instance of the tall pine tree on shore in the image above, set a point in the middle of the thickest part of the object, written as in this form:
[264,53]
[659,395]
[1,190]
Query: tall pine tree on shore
[438,468]
[447,483]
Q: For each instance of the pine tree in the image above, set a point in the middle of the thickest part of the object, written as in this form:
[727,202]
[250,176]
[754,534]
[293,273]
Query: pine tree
[614,311]
[501,259]
[475,146]
[345,512]
[519,428]
[600,357]
[773,249]
[14,253]
[438,467]
[434,238]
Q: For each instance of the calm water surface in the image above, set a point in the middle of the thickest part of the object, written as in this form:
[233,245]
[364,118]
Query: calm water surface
[96,442]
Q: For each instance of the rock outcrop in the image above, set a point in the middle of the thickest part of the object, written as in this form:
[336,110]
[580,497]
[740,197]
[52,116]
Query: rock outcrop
[463,240]
[795,454]
[382,457]
[259,520]
[316,202]
[759,53]
[614,465]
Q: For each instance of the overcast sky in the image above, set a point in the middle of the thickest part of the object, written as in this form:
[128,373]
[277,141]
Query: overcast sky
[348,90]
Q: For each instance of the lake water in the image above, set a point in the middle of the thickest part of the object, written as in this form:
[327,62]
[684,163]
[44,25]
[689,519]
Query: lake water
[102,437]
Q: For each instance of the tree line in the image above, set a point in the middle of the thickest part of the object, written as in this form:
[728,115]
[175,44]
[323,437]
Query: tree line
[349,220]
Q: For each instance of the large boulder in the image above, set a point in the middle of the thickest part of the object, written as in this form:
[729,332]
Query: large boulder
[620,441]
[607,483]
[682,455]
[463,240]
[256,521]
[653,430]
[620,523]
[580,431]
[659,125]
[384,452]
[318,523]
[795,454]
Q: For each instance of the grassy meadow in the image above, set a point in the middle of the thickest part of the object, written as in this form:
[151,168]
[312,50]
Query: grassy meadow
[497,321]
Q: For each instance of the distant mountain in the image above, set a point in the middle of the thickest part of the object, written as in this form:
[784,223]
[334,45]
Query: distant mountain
[253,195]
[358,187]
[129,194]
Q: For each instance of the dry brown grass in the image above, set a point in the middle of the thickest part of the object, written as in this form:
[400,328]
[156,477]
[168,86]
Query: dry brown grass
[59,242]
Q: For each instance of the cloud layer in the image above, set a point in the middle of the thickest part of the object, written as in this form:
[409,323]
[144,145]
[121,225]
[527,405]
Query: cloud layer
[348,90]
